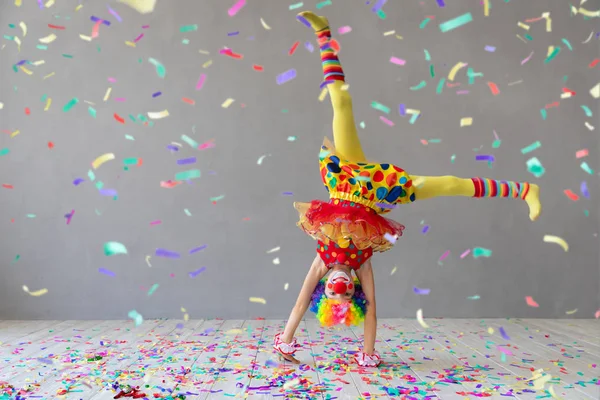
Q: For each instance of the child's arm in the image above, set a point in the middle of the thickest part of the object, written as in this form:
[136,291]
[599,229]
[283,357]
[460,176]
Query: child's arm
[367,282]
[315,274]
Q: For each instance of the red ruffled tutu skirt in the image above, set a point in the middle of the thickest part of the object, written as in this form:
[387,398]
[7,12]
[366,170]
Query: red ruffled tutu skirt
[342,222]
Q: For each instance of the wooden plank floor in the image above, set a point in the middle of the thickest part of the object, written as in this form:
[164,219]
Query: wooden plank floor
[216,359]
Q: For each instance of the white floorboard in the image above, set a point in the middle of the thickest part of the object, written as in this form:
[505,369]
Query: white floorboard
[216,359]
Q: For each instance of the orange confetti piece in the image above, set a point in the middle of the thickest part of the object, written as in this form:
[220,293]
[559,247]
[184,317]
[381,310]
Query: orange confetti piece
[293,48]
[555,104]
[7,186]
[189,101]
[582,153]
[61,28]
[594,63]
[571,195]
[119,118]
[531,302]
[493,88]
[50,145]
[230,53]
[258,67]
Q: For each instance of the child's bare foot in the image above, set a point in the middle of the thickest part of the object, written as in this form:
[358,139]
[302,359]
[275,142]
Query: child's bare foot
[533,201]
[316,22]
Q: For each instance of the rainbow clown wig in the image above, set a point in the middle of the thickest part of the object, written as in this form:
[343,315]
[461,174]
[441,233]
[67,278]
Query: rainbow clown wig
[331,312]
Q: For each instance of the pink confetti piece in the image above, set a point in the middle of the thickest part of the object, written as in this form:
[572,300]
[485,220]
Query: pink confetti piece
[446,254]
[96,29]
[157,222]
[137,39]
[236,7]
[397,61]
[527,59]
[531,302]
[597,315]
[70,216]
[114,14]
[386,121]
[582,153]
[200,81]
[112,80]
[344,29]
[466,253]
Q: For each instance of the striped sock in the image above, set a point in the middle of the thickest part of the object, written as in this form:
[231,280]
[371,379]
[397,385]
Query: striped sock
[490,188]
[332,68]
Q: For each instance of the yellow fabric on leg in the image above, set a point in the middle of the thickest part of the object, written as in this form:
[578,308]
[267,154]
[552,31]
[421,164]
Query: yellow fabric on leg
[427,187]
[345,135]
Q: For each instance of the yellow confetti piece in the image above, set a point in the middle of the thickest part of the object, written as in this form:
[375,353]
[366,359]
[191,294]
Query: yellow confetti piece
[49,3]
[420,319]
[524,26]
[158,114]
[207,64]
[273,250]
[588,13]
[37,293]
[522,40]
[107,94]
[23,28]
[538,383]
[595,91]
[38,63]
[48,39]
[102,159]
[412,111]
[394,270]
[323,94]
[276,261]
[264,24]
[203,52]
[258,300]
[18,42]
[558,240]
[490,330]
[227,103]
[78,7]
[49,75]
[455,69]
[141,6]
[571,312]
[86,38]
[286,286]
[18,3]
[186,316]
[1,105]
[566,95]
[48,102]
[550,50]
[589,126]
[388,33]
[233,331]
[130,44]
[28,72]
[486,8]
[546,15]
[553,393]
[15,133]
[148,261]
[467,121]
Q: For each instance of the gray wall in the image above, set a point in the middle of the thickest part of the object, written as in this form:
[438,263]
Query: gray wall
[254,215]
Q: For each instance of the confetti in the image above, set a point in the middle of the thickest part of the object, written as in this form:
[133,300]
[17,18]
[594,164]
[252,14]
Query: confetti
[503,333]
[286,76]
[569,193]
[136,317]
[70,104]
[420,86]
[113,248]
[187,175]
[571,312]
[106,272]
[421,291]
[558,240]
[393,270]
[236,7]
[197,272]
[141,6]
[48,39]
[264,24]
[160,69]
[535,167]
[201,81]
[530,302]
[534,146]
[456,22]
[166,253]
[258,300]
[153,289]
[595,91]
[467,121]
[481,252]
[158,114]
[102,159]
[36,293]
[420,319]
[494,88]
[380,107]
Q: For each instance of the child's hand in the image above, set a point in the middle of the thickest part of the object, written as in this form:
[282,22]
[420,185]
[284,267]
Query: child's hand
[316,22]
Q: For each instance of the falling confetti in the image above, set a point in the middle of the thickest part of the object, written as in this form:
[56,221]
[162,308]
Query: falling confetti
[114,248]
[36,293]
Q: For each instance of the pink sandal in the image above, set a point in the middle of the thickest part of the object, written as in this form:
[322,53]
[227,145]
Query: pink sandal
[365,360]
[285,350]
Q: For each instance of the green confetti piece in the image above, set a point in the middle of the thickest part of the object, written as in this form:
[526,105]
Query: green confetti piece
[4,151]
[188,28]
[588,112]
[533,146]
[130,161]
[215,199]
[136,317]
[99,185]
[413,118]
[323,4]
[552,55]
[362,124]
[380,107]
[456,22]
[481,252]
[535,167]
[420,86]
[424,23]
[502,357]
[187,175]
[160,69]
[17,257]
[44,97]
[153,289]
[544,113]
[432,71]
[284,111]
[292,138]
[132,118]
[296,5]
[381,14]
[435,140]
[11,25]
[190,141]
[92,111]
[584,166]
[476,297]
[427,56]
[113,248]
[566,42]
[70,104]
[453,158]
[129,137]
[586,213]
[15,68]
[67,56]
[91,175]
[528,36]
[187,212]
[31,215]
[440,86]
[8,37]
[42,47]
[496,144]
[185,41]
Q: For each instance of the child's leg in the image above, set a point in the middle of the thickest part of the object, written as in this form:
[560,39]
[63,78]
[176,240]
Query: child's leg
[345,135]
[436,186]
[367,282]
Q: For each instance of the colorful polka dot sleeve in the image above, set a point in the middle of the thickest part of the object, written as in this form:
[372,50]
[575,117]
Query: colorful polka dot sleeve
[491,188]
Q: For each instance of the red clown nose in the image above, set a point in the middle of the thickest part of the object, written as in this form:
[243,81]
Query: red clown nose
[339,288]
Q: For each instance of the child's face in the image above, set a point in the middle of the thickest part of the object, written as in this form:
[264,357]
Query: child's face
[340,285]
